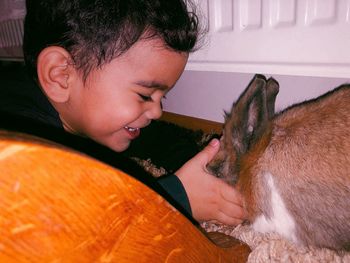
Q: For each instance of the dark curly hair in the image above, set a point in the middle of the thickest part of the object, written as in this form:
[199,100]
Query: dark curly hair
[96,31]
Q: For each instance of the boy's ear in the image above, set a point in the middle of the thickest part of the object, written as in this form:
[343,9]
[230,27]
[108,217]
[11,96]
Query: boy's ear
[53,72]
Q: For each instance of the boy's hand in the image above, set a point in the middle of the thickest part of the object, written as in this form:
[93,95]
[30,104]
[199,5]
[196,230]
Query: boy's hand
[210,198]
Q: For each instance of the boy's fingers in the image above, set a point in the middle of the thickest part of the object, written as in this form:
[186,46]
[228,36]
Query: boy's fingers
[232,210]
[210,150]
[230,194]
[227,220]
[232,204]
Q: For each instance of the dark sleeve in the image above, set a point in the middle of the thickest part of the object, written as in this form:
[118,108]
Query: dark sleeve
[173,186]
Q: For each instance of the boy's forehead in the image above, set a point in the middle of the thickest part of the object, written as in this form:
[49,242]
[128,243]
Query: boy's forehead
[148,63]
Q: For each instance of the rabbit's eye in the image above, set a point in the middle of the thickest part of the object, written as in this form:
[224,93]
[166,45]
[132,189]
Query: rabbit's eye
[215,168]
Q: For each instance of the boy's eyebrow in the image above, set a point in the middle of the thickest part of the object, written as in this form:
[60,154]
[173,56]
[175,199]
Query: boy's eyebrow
[152,84]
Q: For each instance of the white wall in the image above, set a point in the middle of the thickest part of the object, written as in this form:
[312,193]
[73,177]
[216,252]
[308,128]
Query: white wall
[206,95]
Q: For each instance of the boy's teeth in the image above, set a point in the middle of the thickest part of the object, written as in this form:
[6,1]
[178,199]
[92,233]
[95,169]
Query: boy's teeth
[131,129]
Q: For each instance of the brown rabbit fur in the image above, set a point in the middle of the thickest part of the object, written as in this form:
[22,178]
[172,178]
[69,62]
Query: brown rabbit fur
[292,168]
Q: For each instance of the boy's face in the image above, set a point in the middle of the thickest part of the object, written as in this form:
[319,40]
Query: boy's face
[123,96]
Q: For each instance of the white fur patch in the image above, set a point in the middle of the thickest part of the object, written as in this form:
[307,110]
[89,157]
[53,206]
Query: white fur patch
[281,221]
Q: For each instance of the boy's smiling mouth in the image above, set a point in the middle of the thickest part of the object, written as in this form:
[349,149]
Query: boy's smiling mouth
[133,132]
[131,129]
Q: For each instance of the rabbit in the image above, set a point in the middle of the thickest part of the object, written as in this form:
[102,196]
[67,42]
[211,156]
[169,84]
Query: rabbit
[293,167]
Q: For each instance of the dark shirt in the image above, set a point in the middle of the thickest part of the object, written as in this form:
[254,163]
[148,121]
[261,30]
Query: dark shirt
[24,108]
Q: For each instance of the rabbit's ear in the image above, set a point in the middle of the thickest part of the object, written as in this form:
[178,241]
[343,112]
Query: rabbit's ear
[249,116]
[272,89]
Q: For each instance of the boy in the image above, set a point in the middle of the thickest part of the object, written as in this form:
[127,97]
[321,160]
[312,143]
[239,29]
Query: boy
[103,68]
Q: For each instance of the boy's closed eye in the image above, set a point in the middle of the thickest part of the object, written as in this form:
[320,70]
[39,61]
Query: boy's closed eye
[149,98]
[145,97]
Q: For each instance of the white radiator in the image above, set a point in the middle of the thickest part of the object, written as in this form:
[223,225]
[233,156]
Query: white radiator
[289,37]
[12,13]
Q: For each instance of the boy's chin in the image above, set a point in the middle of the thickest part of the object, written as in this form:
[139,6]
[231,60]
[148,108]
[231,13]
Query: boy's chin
[120,147]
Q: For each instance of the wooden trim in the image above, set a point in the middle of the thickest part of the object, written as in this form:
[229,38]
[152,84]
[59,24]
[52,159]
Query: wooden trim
[192,122]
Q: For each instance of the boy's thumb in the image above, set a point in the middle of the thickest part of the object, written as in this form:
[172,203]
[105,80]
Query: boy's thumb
[211,149]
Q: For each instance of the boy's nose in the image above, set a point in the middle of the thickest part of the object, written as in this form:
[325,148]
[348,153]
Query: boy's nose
[155,111]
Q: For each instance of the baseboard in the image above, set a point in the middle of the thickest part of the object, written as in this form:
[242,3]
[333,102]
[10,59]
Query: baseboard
[192,122]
